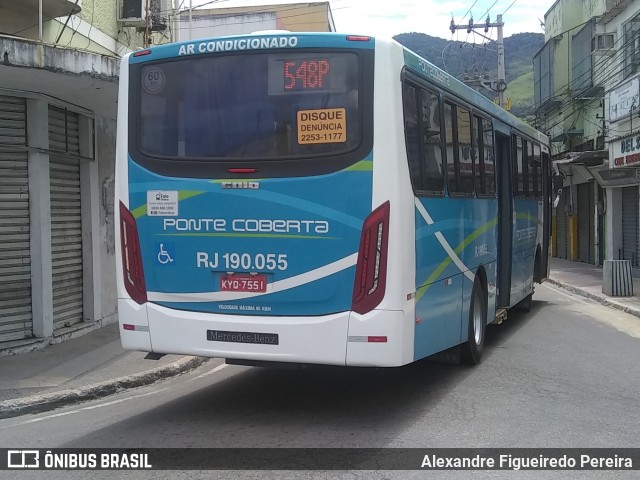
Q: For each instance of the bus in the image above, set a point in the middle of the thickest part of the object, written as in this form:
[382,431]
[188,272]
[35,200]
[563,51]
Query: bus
[319,198]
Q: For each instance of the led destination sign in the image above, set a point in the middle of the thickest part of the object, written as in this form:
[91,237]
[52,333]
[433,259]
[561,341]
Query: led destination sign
[304,73]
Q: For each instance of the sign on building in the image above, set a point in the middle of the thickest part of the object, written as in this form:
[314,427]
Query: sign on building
[624,100]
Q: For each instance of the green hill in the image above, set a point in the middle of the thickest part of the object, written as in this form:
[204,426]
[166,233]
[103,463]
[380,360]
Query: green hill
[464,59]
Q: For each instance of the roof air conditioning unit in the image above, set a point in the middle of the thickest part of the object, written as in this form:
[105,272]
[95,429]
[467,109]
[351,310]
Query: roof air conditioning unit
[133,13]
[603,42]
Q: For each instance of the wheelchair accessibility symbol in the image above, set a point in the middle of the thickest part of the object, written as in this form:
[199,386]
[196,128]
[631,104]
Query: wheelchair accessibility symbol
[163,256]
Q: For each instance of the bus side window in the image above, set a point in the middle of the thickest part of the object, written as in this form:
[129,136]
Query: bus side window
[465,153]
[518,180]
[537,170]
[451,150]
[412,135]
[525,173]
[488,158]
[432,142]
[478,156]
[530,170]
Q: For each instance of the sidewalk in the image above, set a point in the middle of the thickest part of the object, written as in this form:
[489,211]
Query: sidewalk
[586,280]
[95,365]
[83,368]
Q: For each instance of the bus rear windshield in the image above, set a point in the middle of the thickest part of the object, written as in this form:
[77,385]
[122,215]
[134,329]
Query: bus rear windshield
[265,106]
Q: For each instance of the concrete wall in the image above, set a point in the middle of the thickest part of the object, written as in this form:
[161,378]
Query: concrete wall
[53,31]
[106,152]
[102,15]
[593,8]
[205,26]
[296,17]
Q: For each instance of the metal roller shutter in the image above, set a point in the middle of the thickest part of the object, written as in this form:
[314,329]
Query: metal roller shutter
[66,221]
[562,224]
[15,253]
[586,233]
[630,230]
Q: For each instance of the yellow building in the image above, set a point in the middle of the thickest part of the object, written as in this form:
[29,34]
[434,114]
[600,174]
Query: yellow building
[236,20]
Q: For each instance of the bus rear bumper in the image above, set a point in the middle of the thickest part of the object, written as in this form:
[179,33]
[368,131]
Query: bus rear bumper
[345,338]
[320,340]
[134,325]
[377,339]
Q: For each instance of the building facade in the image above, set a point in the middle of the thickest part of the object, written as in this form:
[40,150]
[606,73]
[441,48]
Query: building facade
[585,77]
[233,18]
[58,99]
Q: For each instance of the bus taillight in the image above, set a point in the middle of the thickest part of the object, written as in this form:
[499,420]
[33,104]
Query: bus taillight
[371,269]
[132,270]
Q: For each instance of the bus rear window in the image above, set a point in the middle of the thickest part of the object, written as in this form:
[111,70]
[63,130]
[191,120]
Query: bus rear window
[257,106]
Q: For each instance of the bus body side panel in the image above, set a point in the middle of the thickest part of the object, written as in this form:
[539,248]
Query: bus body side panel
[527,224]
[129,312]
[454,237]
[394,316]
[121,187]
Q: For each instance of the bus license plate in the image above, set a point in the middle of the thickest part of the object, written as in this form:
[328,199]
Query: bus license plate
[243,283]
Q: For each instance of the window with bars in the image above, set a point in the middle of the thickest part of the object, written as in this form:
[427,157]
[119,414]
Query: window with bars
[632,46]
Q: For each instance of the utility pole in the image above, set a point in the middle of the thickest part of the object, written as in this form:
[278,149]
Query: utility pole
[500,84]
[146,27]
[175,21]
[190,19]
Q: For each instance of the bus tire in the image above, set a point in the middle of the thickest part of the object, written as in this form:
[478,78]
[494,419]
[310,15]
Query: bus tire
[472,349]
[537,267]
[525,304]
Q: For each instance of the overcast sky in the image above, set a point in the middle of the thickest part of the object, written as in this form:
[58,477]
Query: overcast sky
[390,17]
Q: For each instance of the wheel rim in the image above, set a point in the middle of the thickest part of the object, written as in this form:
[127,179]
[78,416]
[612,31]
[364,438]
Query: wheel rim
[477,319]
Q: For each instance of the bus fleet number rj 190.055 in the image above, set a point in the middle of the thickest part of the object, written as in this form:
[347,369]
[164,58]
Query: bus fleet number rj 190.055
[244,261]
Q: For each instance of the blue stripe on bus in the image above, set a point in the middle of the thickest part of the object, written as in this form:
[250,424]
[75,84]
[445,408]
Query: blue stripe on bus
[242,43]
[341,199]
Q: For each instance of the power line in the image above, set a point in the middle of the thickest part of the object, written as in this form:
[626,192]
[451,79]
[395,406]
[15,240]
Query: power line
[600,68]
[489,9]
[465,15]
[514,1]
[603,63]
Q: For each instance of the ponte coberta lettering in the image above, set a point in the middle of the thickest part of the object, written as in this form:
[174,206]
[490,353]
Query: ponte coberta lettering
[257,43]
[244,225]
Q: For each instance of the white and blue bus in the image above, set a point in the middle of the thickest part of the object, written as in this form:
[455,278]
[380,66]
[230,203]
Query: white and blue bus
[319,198]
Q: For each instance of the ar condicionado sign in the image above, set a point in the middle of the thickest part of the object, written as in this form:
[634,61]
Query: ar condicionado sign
[328,125]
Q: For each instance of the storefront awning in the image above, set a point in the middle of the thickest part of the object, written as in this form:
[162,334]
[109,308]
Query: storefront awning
[590,158]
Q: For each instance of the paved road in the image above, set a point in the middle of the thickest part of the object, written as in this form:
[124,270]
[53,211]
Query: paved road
[564,375]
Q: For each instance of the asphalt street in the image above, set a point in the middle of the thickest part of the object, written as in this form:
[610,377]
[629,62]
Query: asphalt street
[563,375]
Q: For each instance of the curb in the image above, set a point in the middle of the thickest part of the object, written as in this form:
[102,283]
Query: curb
[49,401]
[603,301]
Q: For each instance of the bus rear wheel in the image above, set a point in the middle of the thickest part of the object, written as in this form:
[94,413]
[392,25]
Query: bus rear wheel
[524,305]
[472,349]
